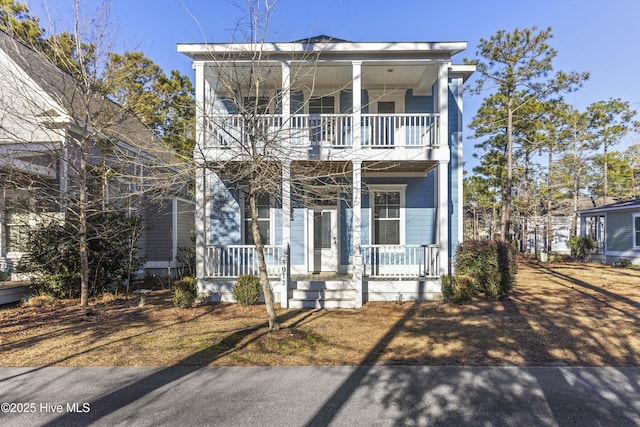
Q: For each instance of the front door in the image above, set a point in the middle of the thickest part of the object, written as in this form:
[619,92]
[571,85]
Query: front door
[323,239]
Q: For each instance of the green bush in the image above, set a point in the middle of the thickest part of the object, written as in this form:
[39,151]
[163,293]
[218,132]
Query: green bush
[185,292]
[459,288]
[490,263]
[246,291]
[55,261]
[581,247]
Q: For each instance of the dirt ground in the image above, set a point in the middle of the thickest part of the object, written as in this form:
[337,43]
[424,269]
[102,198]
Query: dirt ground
[566,314]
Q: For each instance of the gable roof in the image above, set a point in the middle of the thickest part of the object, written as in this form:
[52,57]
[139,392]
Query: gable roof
[633,204]
[86,107]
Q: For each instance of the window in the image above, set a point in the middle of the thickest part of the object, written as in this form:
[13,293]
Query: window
[263,204]
[322,105]
[386,218]
[17,228]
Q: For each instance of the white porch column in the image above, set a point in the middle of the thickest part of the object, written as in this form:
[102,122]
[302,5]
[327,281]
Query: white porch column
[201,223]
[286,187]
[201,186]
[286,233]
[442,211]
[357,230]
[357,103]
[286,91]
[443,168]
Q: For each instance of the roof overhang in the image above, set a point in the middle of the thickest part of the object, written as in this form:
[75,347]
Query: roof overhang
[364,50]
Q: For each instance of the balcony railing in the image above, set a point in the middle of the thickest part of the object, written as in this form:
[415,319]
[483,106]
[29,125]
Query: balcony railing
[234,260]
[397,261]
[327,130]
[400,130]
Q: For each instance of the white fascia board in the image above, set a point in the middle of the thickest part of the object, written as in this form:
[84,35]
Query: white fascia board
[373,48]
[29,167]
[464,70]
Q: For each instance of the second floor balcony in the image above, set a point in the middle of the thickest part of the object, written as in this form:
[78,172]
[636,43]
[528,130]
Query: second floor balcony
[335,135]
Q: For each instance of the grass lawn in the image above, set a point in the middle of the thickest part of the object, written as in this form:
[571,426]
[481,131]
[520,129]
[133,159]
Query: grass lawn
[557,314]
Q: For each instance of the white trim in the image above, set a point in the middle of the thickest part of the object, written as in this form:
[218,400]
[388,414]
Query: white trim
[634,244]
[386,188]
[398,174]
[174,229]
[160,264]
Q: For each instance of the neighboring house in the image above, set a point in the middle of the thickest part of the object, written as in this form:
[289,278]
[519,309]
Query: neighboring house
[616,230]
[388,115]
[43,115]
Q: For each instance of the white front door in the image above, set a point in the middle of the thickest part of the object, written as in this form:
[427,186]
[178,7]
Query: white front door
[323,239]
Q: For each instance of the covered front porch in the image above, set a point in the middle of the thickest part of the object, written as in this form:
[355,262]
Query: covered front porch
[387,272]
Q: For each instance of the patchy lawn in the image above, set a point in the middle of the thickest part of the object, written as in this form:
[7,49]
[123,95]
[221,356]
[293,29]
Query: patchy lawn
[557,314]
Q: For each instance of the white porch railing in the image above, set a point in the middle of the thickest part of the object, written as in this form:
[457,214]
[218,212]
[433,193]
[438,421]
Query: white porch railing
[328,130]
[332,130]
[397,261]
[234,260]
[400,130]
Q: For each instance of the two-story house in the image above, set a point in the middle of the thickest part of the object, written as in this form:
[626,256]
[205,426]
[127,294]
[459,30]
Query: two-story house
[385,116]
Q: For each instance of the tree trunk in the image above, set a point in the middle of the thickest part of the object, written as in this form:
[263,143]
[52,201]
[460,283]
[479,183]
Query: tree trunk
[262,265]
[508,182]
[82,231]
[606,175]
[549,221]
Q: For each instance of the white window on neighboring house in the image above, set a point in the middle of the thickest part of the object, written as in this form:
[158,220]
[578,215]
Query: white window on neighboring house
[388,214]
[636,231]
[17,226]
[263,205]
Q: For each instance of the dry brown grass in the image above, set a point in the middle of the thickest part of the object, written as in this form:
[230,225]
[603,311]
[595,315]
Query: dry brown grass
[566,314]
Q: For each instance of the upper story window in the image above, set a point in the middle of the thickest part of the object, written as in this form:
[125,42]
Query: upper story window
[322,105]
[260,105]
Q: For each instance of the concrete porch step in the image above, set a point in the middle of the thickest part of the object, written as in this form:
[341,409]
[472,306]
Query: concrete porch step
[324,294]
[320,285]
[311,294]
[322,303]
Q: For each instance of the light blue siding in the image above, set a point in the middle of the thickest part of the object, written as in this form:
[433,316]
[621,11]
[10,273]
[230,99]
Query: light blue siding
[224,214]
[277,238]
[346,240]
[419,208]
[297,237]
[455,163]
[418,104]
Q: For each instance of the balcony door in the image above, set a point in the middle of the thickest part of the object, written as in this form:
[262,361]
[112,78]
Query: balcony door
[386,125]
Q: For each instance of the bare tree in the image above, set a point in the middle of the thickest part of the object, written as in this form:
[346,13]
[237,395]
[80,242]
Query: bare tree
[67,143]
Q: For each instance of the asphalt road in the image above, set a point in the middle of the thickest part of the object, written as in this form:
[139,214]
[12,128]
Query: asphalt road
[318,396]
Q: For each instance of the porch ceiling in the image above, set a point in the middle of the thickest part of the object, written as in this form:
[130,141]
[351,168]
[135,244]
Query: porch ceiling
[419,75]
[368,167]
[419,166]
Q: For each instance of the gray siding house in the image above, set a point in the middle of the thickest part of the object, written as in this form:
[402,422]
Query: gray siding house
[44,113]
[616,230]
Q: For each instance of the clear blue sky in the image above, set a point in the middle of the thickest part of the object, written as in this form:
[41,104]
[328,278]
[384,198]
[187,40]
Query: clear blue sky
[600,37]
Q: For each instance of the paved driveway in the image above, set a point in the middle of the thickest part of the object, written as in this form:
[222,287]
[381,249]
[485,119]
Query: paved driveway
[340,396]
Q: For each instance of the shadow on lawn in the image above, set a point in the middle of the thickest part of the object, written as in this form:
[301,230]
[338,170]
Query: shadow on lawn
[426,395]
[142,387]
